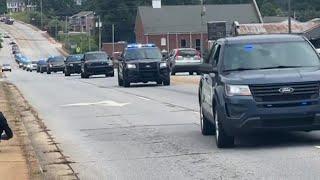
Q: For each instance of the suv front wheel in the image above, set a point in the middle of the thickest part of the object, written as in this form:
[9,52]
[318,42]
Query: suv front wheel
[207,128]
[222,139]
[167,81]
[125,81]
[120,81]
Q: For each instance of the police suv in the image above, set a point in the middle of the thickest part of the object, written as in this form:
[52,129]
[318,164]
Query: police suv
[142,63]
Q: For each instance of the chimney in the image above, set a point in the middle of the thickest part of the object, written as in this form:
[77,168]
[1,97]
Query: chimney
[156,3]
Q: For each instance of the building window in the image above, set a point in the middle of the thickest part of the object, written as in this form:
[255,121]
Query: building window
[198,44]
[183,43]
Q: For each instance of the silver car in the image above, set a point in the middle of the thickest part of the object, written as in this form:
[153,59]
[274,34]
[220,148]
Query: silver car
[185,60]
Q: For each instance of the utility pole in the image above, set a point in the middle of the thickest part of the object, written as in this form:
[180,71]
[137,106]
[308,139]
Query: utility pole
[289,16]
[56,29]
[67,31]
[203,13]
[41,18]
[99,25]
[112,39]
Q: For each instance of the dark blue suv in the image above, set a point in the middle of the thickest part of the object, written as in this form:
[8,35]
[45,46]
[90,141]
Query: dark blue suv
[258,83]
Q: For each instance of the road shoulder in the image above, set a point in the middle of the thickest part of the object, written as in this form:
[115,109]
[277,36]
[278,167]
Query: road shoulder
[33,152]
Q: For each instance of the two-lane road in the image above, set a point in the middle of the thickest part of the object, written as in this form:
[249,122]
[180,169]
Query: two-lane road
[148,131]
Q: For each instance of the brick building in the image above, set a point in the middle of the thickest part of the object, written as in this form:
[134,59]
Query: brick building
[171,27]
[83,21]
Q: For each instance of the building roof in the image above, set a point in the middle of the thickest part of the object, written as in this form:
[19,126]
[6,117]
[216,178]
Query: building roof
[277,28]
[82,14]
[263,38]
[187,18]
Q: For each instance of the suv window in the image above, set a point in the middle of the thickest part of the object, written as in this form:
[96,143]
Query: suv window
[74,58]
[215,55]
[142,53]
[269,55]
[56,59]
[96,56]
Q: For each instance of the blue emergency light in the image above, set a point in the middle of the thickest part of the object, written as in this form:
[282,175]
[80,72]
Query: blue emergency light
[140,45]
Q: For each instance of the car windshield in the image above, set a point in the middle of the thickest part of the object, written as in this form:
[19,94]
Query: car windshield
[143,53]
[57,59]
[75,58]
[6,65]
[269,56]
[34,62]
[96,56]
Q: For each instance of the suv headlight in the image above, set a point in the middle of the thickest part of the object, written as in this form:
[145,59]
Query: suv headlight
[163,65]
[131,66]
[237,90]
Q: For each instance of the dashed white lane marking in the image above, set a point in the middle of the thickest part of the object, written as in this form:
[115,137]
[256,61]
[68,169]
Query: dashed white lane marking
[143,98]
[101,103]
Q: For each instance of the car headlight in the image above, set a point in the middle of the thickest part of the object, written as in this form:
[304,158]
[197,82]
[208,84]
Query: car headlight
[237,90]
[163,65]
[131,66]
[50,65]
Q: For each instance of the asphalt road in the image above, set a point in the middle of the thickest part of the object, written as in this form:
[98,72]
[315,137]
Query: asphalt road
[147,131]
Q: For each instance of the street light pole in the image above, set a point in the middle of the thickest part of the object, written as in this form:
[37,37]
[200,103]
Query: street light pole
[41,15]
[289,16]
[201,35]
[112,39]
[100,24]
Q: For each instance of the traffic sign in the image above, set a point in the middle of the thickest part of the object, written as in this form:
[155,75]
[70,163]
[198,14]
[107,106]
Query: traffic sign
[78,50]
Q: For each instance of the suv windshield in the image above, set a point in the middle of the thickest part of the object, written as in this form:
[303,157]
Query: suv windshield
[269,56]
[57,59]
[96,56]
[74,58]
[143,53]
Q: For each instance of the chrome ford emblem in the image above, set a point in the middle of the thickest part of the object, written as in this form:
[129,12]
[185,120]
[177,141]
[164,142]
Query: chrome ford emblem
[286,90]
[148,66]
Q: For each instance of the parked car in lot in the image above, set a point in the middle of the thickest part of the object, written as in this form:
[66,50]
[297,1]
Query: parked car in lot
[259,83]
[96,63]
[6,67]
[185,60]
[55,64]
[32,66]
[73,64]
[142,63]
[42,66]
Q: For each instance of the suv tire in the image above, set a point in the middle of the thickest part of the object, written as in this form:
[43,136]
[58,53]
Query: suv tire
[66,73]
[120,81]
[84,75]
[222,139]
[207,128]
[167,81]
[126,83]
[48,71]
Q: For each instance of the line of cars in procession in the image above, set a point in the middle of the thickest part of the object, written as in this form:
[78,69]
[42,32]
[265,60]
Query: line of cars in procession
[139,63]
